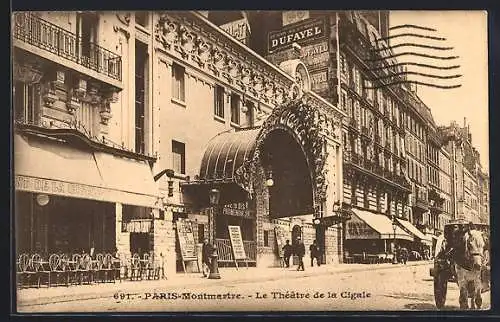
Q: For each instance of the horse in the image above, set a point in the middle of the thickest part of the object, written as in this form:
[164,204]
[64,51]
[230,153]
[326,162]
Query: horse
[469,260]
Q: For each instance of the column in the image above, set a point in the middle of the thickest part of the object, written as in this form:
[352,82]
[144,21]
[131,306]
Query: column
[122,238]
[162,241]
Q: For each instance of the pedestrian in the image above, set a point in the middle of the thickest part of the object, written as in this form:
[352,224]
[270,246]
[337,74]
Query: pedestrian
[314,250]
[300,251]
[287,253]
[206,252]
[403,255]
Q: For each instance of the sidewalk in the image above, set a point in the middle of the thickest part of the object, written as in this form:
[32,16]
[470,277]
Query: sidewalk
[34,296]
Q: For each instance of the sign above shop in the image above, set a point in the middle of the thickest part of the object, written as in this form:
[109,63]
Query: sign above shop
[301,32]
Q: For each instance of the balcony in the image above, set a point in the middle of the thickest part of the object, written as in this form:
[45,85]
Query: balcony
[372,168]
[48,38]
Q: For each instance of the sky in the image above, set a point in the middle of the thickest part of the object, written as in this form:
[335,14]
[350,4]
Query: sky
[466,32]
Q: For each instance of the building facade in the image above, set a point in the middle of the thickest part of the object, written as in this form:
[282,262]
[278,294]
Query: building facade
[173,108]
[83,179]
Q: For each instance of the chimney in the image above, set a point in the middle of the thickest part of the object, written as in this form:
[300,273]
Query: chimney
[465,122]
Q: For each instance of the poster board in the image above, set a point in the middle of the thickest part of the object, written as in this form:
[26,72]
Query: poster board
[187,244]
[279,233]
[237,244]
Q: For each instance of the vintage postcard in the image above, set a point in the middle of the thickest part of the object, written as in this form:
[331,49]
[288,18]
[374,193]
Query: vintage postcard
[189,161]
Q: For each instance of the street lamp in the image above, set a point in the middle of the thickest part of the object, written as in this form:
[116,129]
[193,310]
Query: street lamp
[394,226]
[214,196]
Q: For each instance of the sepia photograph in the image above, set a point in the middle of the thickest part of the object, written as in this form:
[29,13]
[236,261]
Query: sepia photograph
[250,160]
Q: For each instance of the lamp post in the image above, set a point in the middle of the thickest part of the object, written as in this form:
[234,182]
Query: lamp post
[394,226]
[214,196]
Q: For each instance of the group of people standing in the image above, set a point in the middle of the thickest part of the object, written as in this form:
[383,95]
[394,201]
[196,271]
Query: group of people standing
[298,249]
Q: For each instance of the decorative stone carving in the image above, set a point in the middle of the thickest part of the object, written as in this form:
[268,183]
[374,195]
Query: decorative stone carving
[203,55]
[124,18]
[166,32]
[187,41]
[73,104]
[210,52]
[26,73]
[105,112]
[49,96]
[93,94]
[81,88]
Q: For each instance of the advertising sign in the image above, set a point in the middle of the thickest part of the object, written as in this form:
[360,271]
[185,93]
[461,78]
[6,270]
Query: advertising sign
[237,242]
[316,55]
[358,229]
[300,33]
[319,80]
[186,240]
[238,29]
[279,233]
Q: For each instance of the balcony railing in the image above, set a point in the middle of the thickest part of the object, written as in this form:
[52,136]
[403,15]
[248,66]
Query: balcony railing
[40,33]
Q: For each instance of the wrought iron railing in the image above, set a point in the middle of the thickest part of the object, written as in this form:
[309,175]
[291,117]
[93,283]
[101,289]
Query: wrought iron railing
[31,29]
[225,253]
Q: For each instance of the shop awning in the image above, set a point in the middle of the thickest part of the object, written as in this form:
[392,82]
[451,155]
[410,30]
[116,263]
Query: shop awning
[367,225]
[54,167]
[225,153]
[130,180]
[53,160]
[412,229]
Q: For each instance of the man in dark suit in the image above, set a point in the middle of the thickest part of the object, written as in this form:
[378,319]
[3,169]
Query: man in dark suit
[300,251]
[287,253]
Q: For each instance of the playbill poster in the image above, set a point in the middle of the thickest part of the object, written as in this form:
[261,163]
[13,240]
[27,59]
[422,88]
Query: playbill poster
[303,160]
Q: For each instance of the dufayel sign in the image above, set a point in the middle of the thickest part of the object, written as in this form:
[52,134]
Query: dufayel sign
[300,33]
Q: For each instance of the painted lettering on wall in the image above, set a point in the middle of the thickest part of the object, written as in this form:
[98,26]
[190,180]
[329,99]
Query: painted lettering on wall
[319,81]
[238,29]
[57,187]
[300,33]
[316,55]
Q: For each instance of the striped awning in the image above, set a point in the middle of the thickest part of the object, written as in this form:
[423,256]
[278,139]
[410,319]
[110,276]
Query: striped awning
[227,152]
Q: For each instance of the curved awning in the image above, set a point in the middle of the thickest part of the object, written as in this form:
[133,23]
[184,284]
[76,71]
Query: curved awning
[227,152]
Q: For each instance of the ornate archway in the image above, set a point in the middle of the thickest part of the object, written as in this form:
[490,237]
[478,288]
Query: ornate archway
[300,120]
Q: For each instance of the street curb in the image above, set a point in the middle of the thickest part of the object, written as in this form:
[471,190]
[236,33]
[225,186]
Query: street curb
[301,274]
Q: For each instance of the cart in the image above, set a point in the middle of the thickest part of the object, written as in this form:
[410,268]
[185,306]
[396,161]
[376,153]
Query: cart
[443,270]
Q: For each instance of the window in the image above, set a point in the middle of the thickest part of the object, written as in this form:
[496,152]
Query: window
[86,29]
[141,63]
[178,90]
[141,18]
[235,108]
[201,233]
[219,101]
[25,99]
[178,157]
[266,238]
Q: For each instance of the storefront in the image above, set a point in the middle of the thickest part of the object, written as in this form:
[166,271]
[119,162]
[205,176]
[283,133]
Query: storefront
[372,234]
[421,241]
[75,200]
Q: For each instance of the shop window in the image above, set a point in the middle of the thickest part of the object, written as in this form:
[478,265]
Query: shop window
[219,101]
[266,238]
[25,102]
[201,233]
[178,157]
[235,109]
[178,82]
